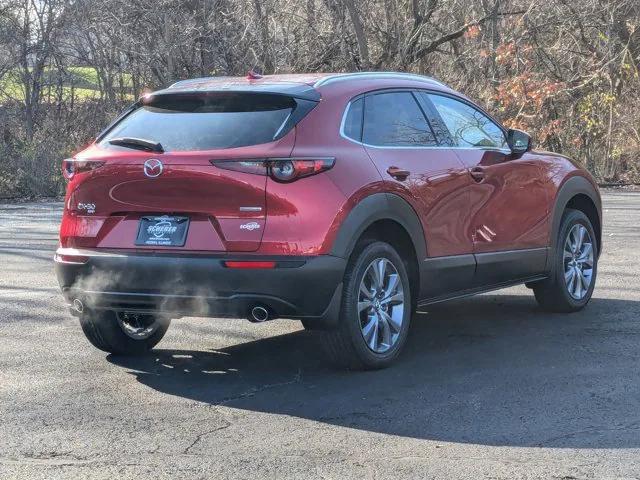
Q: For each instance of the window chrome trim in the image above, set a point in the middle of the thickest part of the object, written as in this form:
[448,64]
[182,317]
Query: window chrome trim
[418,147]
[382,75]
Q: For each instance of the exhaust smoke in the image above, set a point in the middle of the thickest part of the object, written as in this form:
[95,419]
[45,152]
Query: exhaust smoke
[181,294]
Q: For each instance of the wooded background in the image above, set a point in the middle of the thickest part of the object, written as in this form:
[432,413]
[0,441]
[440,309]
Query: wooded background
[564,70]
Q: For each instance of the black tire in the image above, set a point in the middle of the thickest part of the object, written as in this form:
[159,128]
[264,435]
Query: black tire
[345,345]
[553,294]
[104,331]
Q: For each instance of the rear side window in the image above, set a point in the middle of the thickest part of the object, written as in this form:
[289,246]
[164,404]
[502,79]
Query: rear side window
[187,122]
[468,127]
[353,120]
[395,119]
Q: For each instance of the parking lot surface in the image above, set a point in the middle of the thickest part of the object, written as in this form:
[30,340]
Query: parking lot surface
[488,387]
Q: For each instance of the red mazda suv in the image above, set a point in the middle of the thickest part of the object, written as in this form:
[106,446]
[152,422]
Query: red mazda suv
[345,201]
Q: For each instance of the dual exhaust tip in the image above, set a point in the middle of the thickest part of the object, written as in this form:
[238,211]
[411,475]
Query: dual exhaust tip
[78,306]
[259,314]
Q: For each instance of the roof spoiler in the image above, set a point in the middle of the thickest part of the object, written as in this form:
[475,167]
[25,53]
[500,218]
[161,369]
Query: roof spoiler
[289,89]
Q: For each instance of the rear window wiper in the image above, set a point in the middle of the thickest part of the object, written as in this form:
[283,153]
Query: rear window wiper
[138,143]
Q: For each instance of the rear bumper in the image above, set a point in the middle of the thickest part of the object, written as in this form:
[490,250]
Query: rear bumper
[201,285]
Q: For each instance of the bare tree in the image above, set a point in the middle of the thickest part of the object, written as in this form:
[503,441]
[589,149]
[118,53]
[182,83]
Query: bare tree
[569,72]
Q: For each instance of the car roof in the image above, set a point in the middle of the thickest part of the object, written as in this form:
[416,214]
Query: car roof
[304,85]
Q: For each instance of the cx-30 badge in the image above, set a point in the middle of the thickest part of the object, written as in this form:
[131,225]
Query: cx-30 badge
[250,226]
[153,168]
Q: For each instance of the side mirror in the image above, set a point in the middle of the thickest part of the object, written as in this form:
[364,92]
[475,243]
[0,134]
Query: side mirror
[519,141]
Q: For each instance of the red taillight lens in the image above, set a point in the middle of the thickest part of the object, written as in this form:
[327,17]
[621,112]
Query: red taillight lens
[250,264]
[290,169]
[280,169]
[72,166]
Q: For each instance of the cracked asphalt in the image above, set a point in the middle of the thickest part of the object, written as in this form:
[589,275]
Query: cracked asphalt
[488,387]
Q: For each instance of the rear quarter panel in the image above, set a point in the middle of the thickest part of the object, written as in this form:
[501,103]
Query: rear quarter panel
[317,205]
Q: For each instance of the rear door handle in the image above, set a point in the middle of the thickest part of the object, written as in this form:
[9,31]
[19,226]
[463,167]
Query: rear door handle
[398,173]
[477,173]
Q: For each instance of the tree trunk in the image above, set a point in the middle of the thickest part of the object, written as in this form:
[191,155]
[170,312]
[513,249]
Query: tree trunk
[363,47]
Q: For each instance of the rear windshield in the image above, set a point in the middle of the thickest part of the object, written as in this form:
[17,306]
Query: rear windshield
[206,121]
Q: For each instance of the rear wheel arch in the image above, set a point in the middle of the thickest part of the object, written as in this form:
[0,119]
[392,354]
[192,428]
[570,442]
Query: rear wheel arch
[576,193]
[389,218]
[393,233]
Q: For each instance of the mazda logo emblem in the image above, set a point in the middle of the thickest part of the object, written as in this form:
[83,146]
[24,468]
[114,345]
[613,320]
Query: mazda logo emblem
[152,168]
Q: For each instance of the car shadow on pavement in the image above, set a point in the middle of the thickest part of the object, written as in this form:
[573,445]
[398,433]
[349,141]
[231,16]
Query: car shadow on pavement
[491,370]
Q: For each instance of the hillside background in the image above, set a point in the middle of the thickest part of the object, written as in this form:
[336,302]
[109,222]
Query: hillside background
[566,71]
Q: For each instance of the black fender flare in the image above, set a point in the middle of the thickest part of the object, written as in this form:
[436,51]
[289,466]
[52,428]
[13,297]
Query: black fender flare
[375,207]
[573,186]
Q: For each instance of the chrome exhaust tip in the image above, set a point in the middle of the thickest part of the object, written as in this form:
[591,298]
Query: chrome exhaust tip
[258,314]
[78,306]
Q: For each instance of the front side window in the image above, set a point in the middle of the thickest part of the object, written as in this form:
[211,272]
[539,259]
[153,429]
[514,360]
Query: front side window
[394,119]
[468,126]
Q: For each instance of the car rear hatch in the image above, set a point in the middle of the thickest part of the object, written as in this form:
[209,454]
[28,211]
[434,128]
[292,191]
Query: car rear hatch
[151,183]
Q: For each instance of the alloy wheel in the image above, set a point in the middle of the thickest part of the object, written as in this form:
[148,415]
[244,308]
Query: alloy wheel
[381,305]
[578,259]
[137,326]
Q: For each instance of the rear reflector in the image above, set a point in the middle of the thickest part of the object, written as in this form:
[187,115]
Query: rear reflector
[249,264]
[76,228]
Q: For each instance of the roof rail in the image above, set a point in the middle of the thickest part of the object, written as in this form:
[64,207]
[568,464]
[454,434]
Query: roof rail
[399,75]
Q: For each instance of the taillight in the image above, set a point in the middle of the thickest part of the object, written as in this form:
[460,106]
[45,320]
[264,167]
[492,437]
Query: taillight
[285,169]
[290,169]
[72,166]
[256,166]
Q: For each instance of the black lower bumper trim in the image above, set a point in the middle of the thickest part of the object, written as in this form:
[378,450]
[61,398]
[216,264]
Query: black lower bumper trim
[201,285]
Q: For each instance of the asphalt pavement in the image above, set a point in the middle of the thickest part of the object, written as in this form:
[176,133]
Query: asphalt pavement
[488,387]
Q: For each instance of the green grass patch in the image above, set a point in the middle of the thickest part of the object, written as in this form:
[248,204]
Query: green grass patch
[78,82]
